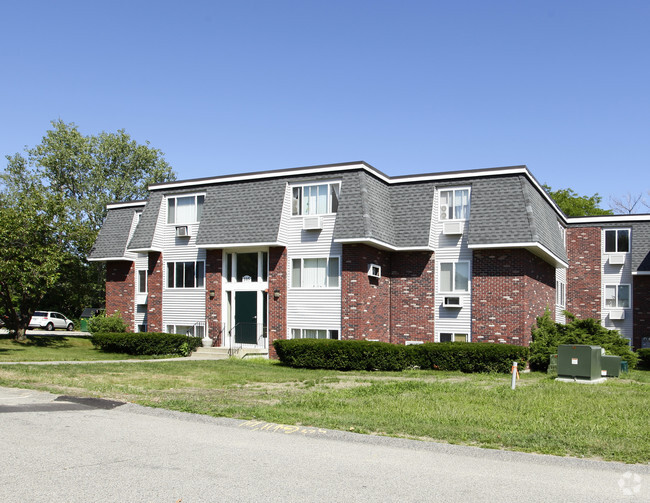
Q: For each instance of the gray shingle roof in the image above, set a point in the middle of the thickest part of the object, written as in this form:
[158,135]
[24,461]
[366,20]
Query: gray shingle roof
[143,236]
[510,210]
[244,212]
[641,247]
[112,239]
[412,206]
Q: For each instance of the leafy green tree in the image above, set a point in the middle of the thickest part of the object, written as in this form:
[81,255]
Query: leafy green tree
[83,174]
[575,205]
[30,248]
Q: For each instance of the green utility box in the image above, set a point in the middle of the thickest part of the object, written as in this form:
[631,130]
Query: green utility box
[610,366]
[579,361]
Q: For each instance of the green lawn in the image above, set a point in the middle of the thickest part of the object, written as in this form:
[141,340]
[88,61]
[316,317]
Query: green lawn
[56,347]
[607,421]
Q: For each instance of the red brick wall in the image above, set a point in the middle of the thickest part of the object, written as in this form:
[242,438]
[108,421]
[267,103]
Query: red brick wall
[365,301]
[120,290]
[641,303]
[510,288]
[155,293]
[412,301]
[213,277]
[277,322]
[583,275]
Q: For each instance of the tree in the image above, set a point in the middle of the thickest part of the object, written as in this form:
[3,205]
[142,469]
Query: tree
[30,251]
[83,174]
[628,204]
[575,205]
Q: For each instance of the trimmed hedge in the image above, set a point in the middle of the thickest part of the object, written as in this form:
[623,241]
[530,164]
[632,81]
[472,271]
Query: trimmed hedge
[146,343]
[363,355]
[644,359]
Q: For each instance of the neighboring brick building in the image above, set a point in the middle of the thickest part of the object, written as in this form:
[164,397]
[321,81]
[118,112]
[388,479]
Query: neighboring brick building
[343,251]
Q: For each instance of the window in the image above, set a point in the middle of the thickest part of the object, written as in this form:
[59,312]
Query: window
[184,209]
[454,204]
[195,330]
[617,240]
[454,276]
[451,337]
[315,199]
[142,328]
[185,274]
[560,293]
[315,272]
[142,281]
[247,267]
[617,296]
[310,333]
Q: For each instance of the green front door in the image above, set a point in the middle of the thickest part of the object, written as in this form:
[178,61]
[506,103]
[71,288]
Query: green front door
[246,317]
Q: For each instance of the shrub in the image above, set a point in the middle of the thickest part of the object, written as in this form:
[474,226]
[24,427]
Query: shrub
[363,355]
[146,343]
[548,335]
[102,323]
[644,359]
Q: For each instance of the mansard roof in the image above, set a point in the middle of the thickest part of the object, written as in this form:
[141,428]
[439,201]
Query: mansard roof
[508,208]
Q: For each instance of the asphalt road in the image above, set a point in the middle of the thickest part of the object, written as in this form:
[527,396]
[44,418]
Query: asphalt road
[64,449]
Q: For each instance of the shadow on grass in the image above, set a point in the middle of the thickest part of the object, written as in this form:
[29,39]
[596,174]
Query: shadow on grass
[44,341]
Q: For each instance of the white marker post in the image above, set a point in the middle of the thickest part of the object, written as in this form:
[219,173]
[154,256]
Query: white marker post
[515,375]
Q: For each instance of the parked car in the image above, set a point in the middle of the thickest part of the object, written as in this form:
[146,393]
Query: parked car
[49,320]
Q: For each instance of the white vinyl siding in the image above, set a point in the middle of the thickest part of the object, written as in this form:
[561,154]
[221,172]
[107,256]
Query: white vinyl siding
[451,249]
[560,294]
[318,307]
[140,311]
[616,240]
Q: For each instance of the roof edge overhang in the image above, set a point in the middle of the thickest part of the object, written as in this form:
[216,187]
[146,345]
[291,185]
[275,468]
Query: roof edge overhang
[605,219]
[217,246]
[641,273]
[145,250]
[535,248]
[376,243]
[130,204]
[110,259]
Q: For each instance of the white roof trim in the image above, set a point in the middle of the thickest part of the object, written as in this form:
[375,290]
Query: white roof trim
[531,246]
[114,206]
[603,219]
[381,244]
[144,250]
[239,245]
[110,259]
[641,273]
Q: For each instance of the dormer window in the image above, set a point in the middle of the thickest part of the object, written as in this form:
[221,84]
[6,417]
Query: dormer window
[454,204]
[318,199]
[184,209]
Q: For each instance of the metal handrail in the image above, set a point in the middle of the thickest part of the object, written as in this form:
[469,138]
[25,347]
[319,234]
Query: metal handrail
[258,329]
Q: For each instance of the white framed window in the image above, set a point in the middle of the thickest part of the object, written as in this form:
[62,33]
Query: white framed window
[142,281]
[185,209]
[316,272]
[314,333]
[245,267]
[454,204]
[454,277]
[453,337]
[316,199]
[189,330]
[142,328]
[560,293]
[617,296]
[186,274]
[617,240]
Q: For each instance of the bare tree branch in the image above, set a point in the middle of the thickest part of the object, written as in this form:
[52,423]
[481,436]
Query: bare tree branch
[627,204]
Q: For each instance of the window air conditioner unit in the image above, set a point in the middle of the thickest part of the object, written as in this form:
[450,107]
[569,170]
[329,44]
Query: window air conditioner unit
[617,314]
[312,223]
[450,301]
[452,228]
[182,231]
[617,259]
[374,271]
[443,211]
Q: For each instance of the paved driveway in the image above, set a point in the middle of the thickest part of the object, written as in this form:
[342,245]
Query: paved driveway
[63,449]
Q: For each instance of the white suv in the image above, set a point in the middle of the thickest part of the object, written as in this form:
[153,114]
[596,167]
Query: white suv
[50,320]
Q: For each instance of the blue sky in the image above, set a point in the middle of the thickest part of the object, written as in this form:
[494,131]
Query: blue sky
[409,86]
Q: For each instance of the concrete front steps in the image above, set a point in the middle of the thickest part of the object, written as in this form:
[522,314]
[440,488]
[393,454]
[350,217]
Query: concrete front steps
[223,353]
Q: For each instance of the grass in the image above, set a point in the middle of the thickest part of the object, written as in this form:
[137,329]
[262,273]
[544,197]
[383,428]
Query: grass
[606,421]
[40,348]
